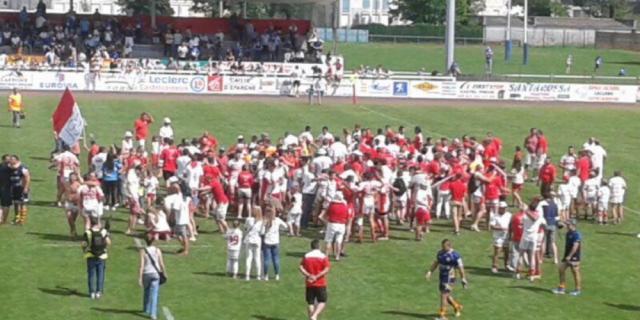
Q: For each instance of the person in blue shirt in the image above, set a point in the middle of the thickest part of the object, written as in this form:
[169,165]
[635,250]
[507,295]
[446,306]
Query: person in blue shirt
[448,261]
[571,260]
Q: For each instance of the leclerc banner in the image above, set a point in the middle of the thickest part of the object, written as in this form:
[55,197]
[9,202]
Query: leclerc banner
[273,85]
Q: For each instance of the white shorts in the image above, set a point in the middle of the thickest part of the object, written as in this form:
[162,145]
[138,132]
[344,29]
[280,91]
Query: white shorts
[233,254]
[616,200]
[591,200]
[531,159]
[541,158]
[335,232]
[294,218]
[368,206]
[500,242]
[244,193]
[141,142]
[527,245]
[69,206]
[221,211]
[603,206]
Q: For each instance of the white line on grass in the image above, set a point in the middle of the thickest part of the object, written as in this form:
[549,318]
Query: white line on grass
[390,117]
[632,210]
[167,313]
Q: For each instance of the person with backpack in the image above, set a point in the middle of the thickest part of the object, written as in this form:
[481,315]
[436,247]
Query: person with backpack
[152,274]
[95,247]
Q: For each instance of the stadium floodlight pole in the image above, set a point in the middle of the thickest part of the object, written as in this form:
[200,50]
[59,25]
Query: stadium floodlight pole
[450,36]
[525,46]
[508,47]
[220,8]
[70,5]
[153,14]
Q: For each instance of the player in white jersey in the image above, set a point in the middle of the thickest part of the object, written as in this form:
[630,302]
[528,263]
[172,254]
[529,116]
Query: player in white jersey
[66,163]
[150,184]
[568,161]
[575,183]
[369,188]
[90,197]
[499,224]
[564,199]
[234,244]
[604,194]
[618,186]
[133,194]
[590,194]
[423,203]
[234,167]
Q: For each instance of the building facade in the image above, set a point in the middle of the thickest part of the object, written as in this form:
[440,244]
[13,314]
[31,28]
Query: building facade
[355,12]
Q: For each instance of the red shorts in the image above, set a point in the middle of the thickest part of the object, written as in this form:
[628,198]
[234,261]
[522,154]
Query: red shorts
[517,187]
[351,211]
[423,216]
[155,159]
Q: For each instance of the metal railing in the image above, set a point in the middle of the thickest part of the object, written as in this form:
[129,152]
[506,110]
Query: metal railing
[421,39]
[554,78]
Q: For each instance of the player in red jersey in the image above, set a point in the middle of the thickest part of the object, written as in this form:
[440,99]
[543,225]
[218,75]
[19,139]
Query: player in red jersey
[315,266]
[169,159]
[458,206]
[336,220]
[141,126]
[222,203]
[516,229]
[245,182]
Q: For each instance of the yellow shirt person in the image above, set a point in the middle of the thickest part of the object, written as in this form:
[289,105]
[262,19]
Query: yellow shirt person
[15,102]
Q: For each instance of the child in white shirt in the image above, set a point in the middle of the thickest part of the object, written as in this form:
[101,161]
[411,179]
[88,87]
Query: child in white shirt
[295,212]
[234,243]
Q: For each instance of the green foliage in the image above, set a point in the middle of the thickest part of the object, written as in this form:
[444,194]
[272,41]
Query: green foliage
[558,9]
[420,29]
[143,7]
[432,11]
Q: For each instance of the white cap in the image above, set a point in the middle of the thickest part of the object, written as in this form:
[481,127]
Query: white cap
[128,134]
[503,204]
[167,120]
[240,137]
[357,153]
[322,152]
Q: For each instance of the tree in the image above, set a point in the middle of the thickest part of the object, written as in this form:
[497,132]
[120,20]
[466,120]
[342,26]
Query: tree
[558,9]
[434,11]
[254,10]
[617,9]
[143,7]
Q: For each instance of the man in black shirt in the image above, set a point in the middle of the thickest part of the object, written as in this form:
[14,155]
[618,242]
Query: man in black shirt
[5,190]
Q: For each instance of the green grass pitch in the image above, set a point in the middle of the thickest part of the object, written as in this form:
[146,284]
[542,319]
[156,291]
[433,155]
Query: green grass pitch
[43,275]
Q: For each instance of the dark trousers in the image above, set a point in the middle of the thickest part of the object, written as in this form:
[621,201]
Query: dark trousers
[307,209]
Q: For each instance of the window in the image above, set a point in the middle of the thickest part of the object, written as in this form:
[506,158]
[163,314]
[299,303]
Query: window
[385,5]
[366,4]
[376,5]
[346,6]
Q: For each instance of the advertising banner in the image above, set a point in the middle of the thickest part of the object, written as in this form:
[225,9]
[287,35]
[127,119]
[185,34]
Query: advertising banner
[432,89]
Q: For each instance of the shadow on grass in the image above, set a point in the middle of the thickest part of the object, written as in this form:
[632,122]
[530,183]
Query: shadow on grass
[630,63]
[55,237]
[211,274]
[296,254]
[62,291]
[410,314]
[482,271]
[532,289]
[47,159]
[626,307]
[261,317]
[401,238]
[615,233]
[45,204]
[132,312]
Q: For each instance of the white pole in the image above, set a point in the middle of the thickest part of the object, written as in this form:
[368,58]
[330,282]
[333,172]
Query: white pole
[450,35]
[507,43]
[220,8]
[525,46]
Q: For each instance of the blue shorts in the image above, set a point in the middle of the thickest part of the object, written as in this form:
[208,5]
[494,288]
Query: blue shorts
[446,286]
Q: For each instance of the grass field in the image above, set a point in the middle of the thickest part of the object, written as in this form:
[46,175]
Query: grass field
[550,60]
[43,273]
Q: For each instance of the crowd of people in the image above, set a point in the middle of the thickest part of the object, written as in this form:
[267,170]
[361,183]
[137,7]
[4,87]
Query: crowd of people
[348,185]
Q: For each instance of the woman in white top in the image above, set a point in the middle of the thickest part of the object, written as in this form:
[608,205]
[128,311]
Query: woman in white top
[271,243]
[252,242]
[158,226]
[133,194]
[151,263]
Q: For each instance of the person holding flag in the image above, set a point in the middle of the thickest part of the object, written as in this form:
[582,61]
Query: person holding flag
[16,107]
[68,122]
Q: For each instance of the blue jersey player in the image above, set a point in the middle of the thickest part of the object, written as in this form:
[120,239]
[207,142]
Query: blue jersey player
[448,261]
[571,260]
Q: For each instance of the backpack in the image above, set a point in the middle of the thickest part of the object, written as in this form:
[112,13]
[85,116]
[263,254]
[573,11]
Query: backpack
[98,243]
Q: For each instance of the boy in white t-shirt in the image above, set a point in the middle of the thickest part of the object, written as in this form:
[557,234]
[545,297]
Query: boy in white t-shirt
[499,223]
[295,211]
[234,244]
[590,194]
[618,187]
[604,194]
[150,184]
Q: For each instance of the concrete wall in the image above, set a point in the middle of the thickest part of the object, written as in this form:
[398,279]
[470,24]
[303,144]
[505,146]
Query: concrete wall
[545,37]
[611,40]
